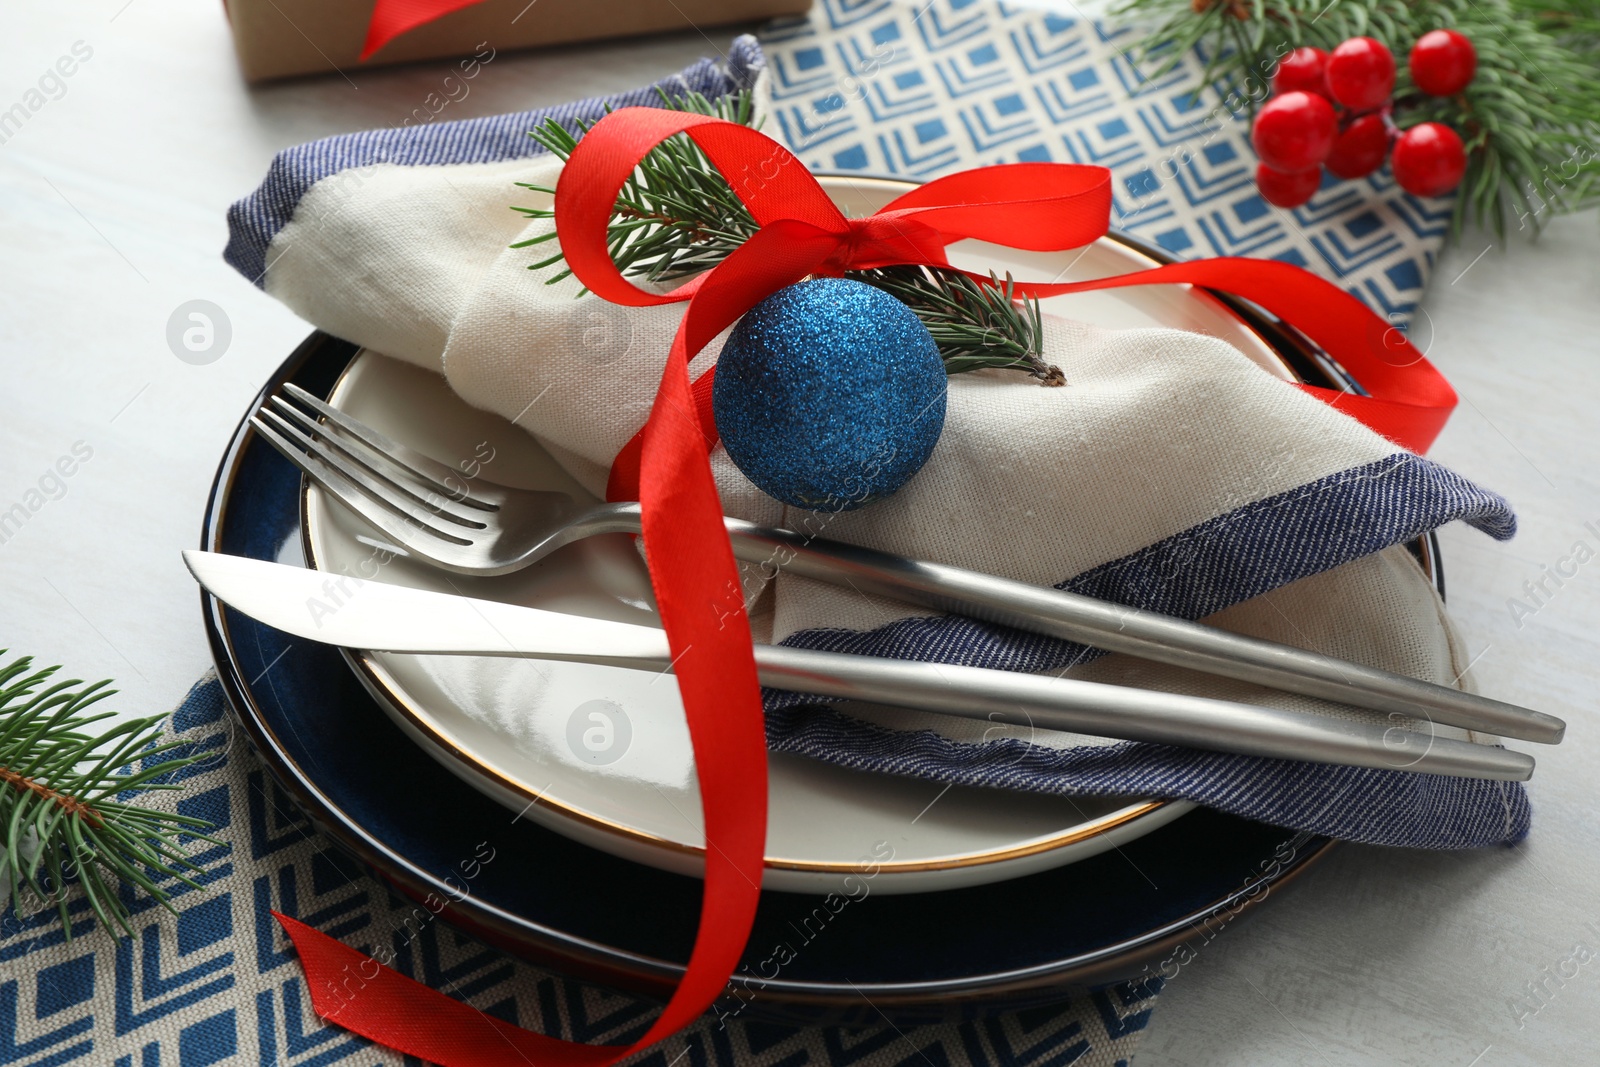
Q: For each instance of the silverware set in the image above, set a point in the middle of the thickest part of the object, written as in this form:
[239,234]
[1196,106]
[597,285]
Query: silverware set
[476,527]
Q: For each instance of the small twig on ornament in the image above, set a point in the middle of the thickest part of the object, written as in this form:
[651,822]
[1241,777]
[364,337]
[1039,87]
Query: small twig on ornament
[976,325]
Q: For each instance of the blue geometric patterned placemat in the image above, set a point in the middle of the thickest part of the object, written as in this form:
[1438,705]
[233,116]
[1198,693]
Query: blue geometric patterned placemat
[218,983]
[921,89]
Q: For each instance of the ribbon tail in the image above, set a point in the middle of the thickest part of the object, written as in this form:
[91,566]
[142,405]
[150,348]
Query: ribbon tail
[352,989]
[1408,400]
[701,602]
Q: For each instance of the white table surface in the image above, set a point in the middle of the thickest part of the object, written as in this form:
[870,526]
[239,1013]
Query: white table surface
[111,215]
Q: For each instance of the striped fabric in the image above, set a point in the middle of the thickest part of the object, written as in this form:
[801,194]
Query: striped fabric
[1380,807]
[1202,570]
[1233,557]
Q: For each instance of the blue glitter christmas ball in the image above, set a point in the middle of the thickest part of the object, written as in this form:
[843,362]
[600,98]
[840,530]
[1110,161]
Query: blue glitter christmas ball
[829,394]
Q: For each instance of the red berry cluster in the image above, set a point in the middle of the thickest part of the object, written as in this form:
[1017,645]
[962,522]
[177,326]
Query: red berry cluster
[1334,109]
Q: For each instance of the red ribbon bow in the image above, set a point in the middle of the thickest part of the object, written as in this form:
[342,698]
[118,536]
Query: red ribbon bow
[1035,206]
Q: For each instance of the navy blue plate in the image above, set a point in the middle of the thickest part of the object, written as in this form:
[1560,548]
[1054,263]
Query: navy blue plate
[1115,916]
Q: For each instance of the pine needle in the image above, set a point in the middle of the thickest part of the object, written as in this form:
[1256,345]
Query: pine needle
[66,798]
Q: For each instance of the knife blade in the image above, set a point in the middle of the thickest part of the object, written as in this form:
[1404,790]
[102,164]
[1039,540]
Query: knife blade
[342,610]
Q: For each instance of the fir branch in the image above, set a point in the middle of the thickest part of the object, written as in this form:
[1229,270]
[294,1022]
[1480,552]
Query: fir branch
[1530,119]
[1574,23]
[677,216]
[975,325]
[66,798]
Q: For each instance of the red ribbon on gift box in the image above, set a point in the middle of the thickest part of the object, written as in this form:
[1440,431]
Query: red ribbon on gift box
[391,18]
[666,467]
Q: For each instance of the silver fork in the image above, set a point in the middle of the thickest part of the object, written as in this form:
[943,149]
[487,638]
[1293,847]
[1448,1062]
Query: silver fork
[477,527]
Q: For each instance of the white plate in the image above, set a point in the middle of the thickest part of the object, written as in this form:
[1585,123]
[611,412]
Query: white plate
[516,729]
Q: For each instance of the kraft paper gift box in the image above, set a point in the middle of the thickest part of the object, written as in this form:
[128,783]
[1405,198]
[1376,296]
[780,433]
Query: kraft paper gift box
[282,38]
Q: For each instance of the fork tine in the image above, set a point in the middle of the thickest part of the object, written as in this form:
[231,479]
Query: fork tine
[352,459]
[363,495]
[404,479]
[421,467]
[402,531]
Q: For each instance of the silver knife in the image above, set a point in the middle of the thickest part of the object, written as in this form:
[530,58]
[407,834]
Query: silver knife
[382,617]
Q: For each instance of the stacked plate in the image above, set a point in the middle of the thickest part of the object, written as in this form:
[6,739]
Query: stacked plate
[580,776]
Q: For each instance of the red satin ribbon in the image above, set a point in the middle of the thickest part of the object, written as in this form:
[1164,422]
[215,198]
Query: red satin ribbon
[391,18]
[1035,206]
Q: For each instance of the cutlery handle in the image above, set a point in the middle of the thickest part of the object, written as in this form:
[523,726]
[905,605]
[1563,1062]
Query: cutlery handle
[1146,634]
[1075,706]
